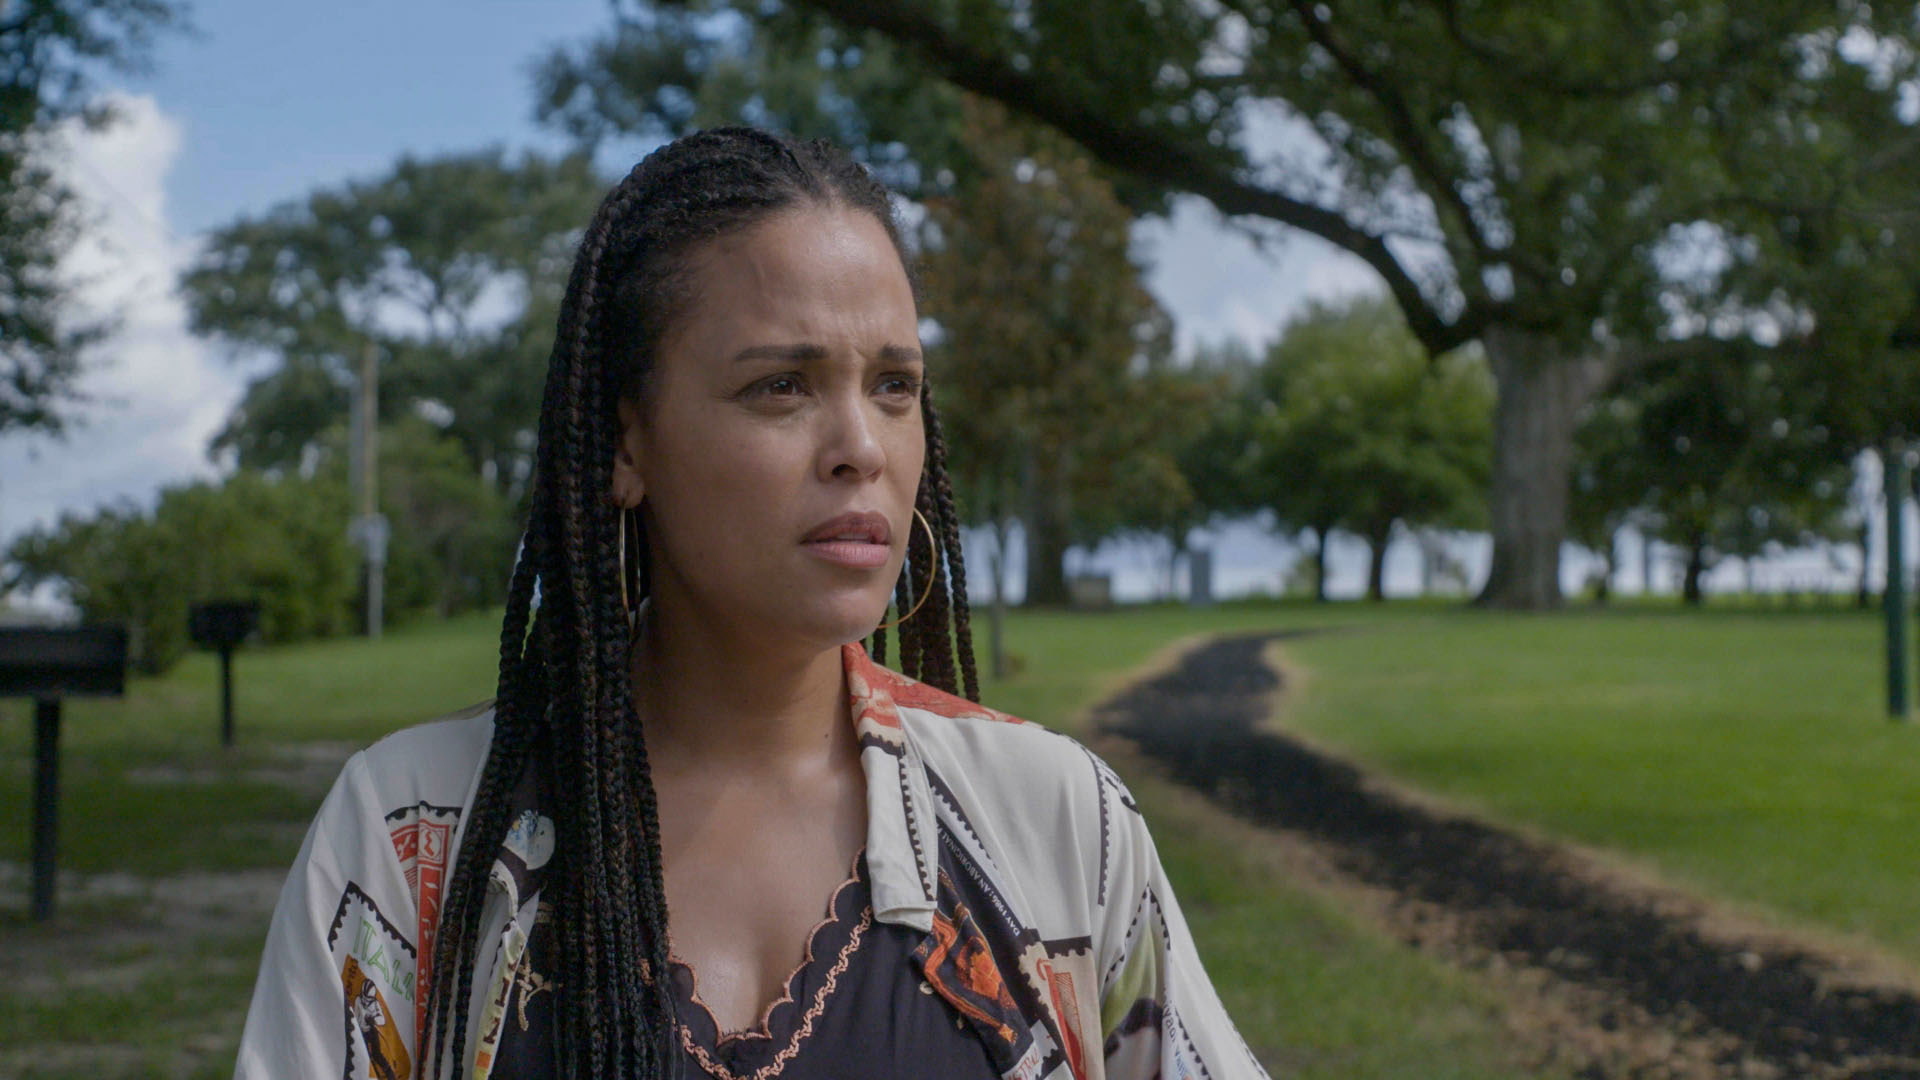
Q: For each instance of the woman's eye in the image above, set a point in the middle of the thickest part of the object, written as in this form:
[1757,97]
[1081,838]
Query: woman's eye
[900,385]
[777,386]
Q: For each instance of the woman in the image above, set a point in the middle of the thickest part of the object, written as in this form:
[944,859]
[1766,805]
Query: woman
[738,465]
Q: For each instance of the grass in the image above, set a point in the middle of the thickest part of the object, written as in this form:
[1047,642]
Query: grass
[1318,992]
[1741,753]
[147,790]
[1745,755]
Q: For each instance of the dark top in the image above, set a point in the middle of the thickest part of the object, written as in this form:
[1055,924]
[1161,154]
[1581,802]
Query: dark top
[856,1008]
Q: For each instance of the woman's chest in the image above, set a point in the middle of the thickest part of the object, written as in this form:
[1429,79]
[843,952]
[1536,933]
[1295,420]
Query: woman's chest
[858,1006]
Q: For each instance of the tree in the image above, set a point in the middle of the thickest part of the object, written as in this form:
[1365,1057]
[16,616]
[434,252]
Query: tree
[451,268]
[1518,174]
[1192,434]
[275,539]
[1030,274]
[1358,430]
[49,52]
[454,535]
[1717,456]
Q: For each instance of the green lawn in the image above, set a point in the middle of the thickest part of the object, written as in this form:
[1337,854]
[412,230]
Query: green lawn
[1746,755]
[1739,753]
[148,790]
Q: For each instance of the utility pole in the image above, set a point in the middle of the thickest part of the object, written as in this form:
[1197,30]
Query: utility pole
[369,527]
[1894,470]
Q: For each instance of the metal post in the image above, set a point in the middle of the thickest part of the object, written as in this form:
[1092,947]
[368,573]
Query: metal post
[46,802]
[1899,656]
[226,695]
[375,561]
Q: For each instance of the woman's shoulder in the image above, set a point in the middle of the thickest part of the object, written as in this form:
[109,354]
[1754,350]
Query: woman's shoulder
[457,737]
[1004,758]
[431,764]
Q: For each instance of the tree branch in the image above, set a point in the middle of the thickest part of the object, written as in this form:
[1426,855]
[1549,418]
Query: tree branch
[1515,65]
[1141,152]
[1412,141]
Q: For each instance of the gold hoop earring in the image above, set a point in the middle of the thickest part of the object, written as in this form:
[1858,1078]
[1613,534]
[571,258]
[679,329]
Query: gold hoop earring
[933,551]
[626,603]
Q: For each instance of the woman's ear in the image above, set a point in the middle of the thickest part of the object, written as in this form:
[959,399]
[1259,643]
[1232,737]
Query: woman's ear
[628,487]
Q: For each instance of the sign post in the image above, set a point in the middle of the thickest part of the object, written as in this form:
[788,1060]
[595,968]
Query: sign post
[46,664]
[46,802]
[222,625]
[1899,654]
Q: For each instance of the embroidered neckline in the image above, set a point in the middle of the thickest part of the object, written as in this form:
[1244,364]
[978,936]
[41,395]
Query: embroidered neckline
[762,1029]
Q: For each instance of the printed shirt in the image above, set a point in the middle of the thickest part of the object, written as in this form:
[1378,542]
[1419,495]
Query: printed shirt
[1044,918]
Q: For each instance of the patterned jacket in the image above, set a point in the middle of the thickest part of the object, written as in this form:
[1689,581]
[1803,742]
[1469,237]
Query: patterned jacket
[1049,923]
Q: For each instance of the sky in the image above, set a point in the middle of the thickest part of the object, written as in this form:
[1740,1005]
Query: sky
[262,102]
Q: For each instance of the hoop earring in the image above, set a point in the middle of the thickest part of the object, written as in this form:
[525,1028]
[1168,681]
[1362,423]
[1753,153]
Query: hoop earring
[626,603]
[933,551]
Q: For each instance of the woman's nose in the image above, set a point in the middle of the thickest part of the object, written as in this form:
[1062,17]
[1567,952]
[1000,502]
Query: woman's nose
[853,448]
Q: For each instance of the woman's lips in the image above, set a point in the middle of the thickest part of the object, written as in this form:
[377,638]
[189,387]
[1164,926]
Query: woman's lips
[859,554]
[858,539]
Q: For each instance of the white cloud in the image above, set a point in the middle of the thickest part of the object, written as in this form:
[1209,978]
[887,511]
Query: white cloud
[1218,284]
[159,391]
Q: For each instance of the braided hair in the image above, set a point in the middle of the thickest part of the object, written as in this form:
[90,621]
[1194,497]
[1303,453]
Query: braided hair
[564,713]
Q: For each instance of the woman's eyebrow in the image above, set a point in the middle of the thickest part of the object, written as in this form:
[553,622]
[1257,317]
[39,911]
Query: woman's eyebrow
[800,354]
[805,353]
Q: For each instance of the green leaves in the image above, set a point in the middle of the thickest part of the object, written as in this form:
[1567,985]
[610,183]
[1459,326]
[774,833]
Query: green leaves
[1050,372]
[1721,455]
[277,540]
[49,50]
[450,267]
[1354,428]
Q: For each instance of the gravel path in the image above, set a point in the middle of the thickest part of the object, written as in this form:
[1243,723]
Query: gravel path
[1743,1008]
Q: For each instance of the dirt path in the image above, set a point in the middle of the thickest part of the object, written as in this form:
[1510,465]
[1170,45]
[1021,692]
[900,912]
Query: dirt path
[1691,998]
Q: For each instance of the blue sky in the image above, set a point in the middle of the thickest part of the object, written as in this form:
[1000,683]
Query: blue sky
[276,98]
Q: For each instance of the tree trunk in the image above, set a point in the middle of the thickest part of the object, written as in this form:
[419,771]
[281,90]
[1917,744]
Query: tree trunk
[1863,593]
[1176,547]
[1603,590]
[1048,536]
[997,612]
[1320,566]
[1377,540]
[1541,392]
[1691,590]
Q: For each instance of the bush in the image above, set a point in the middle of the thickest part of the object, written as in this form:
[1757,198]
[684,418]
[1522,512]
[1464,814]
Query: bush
[454,535]
[278,540]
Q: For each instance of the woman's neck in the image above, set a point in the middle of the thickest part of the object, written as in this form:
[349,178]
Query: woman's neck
[709,700]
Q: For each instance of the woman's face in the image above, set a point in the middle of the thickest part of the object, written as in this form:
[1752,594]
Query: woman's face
[780,442]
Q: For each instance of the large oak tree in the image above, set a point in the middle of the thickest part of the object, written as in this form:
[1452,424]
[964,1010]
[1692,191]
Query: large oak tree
[1521,174]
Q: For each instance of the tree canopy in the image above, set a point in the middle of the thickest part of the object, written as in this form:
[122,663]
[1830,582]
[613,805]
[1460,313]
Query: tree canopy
[1354,429]
[1046,328]
[1716,456]
[451,268]
[1521,174]
[50,53]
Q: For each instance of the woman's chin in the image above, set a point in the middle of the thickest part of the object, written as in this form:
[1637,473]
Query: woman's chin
[833,624]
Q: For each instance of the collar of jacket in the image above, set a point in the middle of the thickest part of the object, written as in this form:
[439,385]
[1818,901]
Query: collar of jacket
[901,845]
